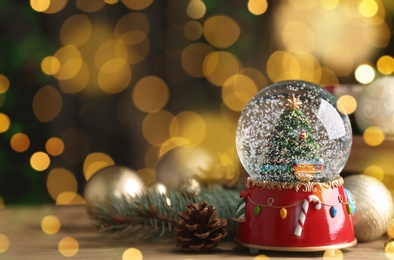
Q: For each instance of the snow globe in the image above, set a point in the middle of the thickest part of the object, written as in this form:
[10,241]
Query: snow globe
[294,139]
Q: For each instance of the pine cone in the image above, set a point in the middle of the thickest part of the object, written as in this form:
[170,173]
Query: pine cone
[198,228]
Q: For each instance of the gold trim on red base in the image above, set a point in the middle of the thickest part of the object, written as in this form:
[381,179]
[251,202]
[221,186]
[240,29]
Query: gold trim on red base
[298,249]
[298,186]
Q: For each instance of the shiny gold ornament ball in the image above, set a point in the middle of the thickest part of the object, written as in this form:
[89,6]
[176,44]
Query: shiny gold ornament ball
[182,164]
[390,229]
[374,206]
[112,182]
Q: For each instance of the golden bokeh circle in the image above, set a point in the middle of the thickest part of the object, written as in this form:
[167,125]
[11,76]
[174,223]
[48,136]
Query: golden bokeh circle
[40,161]
[221,31]
[373,136]
[50,224]
[385,64]
[137,4]
[150,94]
[190,126]
[390,229]
[114,76]
[95,162]
[89,6]
[4,84]
[47,103]
[193,57]
[5,122]
[257,7]
[76,30]
[54,146]
[156,127]
[237,91]
[4,243]
[218,66]
[60,180]
[132,253]
[193,30]
[20,142]
[346,104]
[374,171]
[68,246]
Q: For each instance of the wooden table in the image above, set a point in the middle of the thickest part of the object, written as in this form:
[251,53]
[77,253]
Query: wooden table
[22,227]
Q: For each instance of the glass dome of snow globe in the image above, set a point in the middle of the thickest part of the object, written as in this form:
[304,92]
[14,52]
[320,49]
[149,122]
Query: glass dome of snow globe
[293,131]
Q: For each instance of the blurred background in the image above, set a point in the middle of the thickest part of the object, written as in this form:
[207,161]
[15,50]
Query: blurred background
[90,83]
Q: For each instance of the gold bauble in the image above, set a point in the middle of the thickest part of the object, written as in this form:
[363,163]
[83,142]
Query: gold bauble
[183,163]
[190,186]
[112,182]
[374,206]
[390,229]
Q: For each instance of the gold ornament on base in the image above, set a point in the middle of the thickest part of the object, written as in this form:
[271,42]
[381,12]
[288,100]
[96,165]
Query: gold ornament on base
[374,206]
[116,181]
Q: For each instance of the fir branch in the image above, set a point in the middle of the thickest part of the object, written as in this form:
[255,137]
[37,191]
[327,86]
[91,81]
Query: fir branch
[152,216]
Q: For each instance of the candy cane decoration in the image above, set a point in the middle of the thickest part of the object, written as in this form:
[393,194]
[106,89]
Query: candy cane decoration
[304,211]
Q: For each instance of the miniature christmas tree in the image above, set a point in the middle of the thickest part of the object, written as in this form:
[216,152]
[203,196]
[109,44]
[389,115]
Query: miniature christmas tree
[292,147]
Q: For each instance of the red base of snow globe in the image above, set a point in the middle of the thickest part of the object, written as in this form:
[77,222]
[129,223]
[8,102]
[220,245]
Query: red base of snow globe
[302,216]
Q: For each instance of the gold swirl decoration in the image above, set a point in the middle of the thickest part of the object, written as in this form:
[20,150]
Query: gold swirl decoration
[297,186]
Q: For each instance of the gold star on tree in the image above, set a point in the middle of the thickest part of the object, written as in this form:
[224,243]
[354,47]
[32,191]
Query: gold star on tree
[294,103]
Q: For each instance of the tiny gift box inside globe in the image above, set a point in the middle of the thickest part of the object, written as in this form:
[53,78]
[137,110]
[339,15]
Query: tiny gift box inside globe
[293,139]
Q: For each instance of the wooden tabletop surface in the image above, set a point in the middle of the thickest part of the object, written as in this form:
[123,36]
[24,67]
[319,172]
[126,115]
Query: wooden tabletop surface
[20,227]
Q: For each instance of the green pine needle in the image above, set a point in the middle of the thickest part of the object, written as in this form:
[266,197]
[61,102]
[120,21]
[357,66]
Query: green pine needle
[152,216]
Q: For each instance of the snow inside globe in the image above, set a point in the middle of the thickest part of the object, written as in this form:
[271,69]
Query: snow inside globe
[293,131]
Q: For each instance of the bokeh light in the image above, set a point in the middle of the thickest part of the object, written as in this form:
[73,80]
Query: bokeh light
[5,122]
[20,142]
[54,146]
[347,104]
[261,257]
[40,5]
[132,253]
[237,91]
[69,198]
[137,4]
[50,224]
[218,66]
[389,250]
[193,30]
[68,246]
[47,103]
[114,76]
[150,94]
[60,180]
[40,161]
[193,57]
[221,31]
[94,162]
[368,8]
[70,60]
[385,65]
[196,9]
[257,7]
[156,127]
[4,84]
[190,126]
[373,136]
[76,30]
[374,171]
[50,65]
[132,28]
[4,243]
[89,6]
[364,74]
